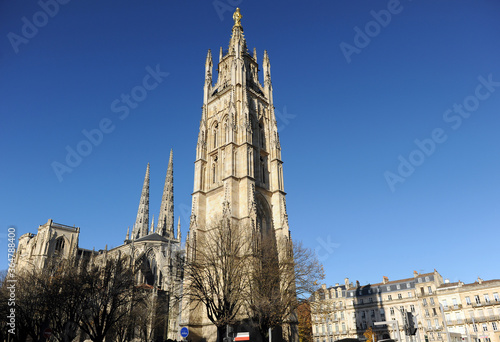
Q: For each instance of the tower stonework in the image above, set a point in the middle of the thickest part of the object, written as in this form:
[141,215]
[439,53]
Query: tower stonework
[238,168]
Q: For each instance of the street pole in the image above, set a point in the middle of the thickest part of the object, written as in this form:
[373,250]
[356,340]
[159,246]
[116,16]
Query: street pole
[474,325]
[467,331]
[415,320]
[444,322]
[404,320]
[397,329]
[394,322]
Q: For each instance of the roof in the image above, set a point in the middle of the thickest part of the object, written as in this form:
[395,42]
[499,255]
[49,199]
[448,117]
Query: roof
[448,285]
[152,237]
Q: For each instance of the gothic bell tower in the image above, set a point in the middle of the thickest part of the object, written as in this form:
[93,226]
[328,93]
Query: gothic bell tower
[238,168]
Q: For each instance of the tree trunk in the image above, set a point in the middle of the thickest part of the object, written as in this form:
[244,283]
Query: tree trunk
[221,333]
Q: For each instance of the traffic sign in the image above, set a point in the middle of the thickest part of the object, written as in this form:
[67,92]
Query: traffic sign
[184,332]
[242,336]
[47,333]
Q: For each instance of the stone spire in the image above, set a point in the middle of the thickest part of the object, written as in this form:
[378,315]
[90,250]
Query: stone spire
[268,87]
[165,225]
[142,221]
[178,237]
[208,77]
[152,230]
[237,44]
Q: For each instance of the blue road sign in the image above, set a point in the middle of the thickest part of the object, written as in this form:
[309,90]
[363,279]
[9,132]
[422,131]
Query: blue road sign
[184,332]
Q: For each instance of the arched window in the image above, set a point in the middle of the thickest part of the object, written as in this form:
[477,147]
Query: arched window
[226,132]
[59,245]
[202,185]
[215,135]
[262,136]
[263,169]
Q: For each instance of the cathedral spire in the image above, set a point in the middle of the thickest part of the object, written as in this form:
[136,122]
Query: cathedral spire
[237,44]
[268,88]
[165,225]
[152,230]
[178,237]
[142,220]
[208,77]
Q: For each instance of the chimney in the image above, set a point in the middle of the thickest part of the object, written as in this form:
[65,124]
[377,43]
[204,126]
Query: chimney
[479,280]
[385,280]
[415,274]
[346,282]
[357,283]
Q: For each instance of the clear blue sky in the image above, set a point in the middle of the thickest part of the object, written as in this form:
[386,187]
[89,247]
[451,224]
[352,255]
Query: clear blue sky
[348,120]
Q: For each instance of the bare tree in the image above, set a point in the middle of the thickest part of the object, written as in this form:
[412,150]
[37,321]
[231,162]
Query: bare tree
[32,305]
[64,295]
[279,278]
[216,273]
[268,287]
[109,293]
[49,297]
[308,271]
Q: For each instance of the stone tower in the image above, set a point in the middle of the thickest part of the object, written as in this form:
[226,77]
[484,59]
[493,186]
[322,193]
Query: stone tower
[238,168]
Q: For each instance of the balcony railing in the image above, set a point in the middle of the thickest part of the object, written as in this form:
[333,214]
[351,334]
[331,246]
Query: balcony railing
[438,328]
[488,318]
[455,322]
[452,307]
[489,303]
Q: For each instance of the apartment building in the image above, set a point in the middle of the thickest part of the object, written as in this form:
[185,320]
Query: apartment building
[442,311]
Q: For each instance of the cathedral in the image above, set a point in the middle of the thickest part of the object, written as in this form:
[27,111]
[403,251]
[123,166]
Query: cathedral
[238,176]
[156,250]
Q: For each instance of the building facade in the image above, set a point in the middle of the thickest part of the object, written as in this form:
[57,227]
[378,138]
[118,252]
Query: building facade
[238,169]
[442,311]
[155,251]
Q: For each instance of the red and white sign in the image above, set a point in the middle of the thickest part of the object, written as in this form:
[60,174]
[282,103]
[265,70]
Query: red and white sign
[47,333]
[242,336]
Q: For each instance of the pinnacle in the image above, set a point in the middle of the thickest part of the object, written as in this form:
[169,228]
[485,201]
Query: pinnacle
[142,220]
[165,225]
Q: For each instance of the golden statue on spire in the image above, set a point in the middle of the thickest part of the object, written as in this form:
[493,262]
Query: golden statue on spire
[237,17]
